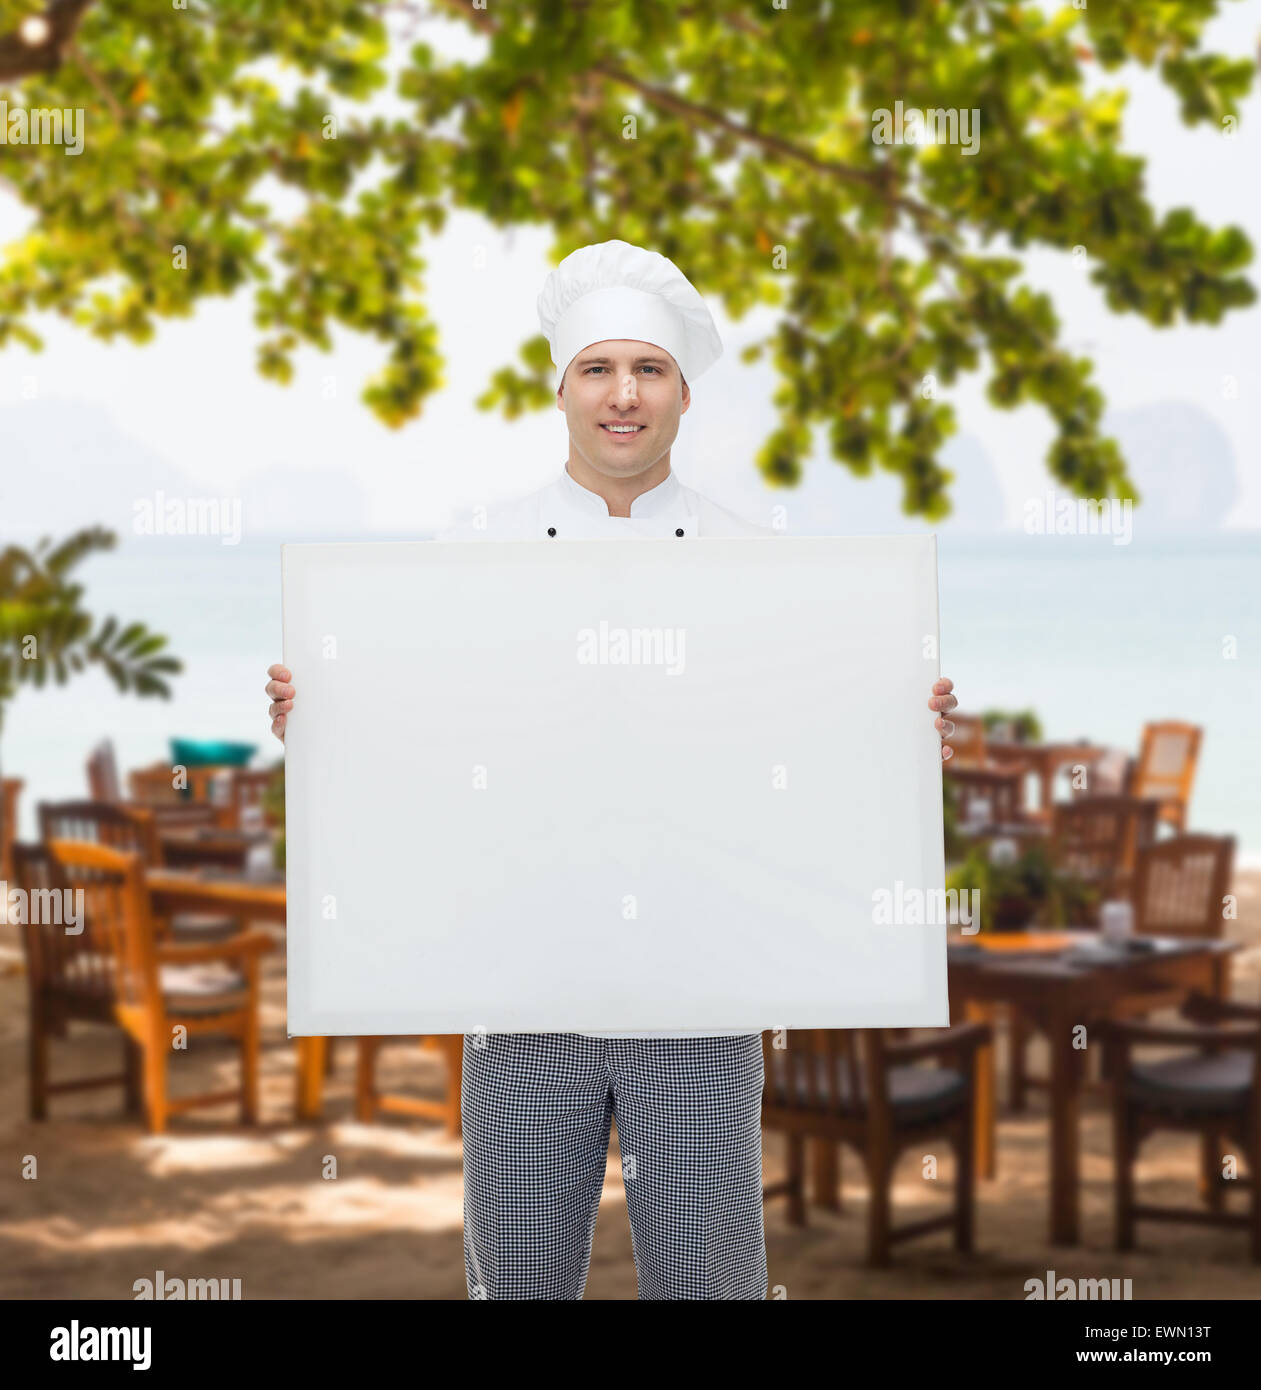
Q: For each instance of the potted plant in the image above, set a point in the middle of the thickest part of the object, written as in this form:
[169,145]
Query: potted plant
[1020,726]
[1020,886]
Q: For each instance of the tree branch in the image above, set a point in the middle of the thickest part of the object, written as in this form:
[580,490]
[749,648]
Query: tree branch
[878,180]
[97,81]
[20,58]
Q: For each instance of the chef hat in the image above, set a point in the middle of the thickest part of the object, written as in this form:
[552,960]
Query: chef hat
[614,290]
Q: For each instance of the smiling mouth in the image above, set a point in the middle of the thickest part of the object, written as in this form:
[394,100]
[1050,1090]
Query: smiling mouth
[622,431]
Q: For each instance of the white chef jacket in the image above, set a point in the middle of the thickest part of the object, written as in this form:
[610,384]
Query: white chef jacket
[565,510]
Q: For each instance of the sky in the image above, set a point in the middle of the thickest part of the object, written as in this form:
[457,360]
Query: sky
[87,429]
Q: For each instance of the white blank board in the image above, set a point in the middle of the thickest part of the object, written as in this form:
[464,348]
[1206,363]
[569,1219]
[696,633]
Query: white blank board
[496,818]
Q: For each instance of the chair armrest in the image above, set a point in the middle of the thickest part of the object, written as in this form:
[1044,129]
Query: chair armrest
[1127,1031]
[249,943]
[960,1038]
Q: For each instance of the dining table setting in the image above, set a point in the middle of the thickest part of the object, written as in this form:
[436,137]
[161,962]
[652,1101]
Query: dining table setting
[1064,981]
[1056,983]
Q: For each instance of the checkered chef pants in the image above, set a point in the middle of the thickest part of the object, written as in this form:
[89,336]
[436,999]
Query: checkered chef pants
[537,1109]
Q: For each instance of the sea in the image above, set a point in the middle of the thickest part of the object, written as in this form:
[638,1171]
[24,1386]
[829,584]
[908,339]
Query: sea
[1094,637]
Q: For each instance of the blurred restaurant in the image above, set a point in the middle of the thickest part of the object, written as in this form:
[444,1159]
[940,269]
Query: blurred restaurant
[1092,1109]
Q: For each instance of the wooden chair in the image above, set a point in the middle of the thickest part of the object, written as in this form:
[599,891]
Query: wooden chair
[821,1088]
[160,797]
[68,977]
[247,790]
[1180,886]
[1214,1091]
[134,829]
[1177,888]
[1098,840]
[10,790]
[115,971]
[990,793]
[370,1102]
[1166,768]
[101,823]
[168,814]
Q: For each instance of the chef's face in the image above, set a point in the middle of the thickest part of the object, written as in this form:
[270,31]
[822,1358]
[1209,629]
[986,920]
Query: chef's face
[628,383]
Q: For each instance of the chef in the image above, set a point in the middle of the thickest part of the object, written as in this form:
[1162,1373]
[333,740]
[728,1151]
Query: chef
[629,335]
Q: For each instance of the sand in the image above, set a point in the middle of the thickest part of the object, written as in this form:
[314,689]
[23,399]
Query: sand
[336,1209]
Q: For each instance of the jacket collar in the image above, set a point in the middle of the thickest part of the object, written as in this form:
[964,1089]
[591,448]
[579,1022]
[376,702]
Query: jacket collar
[663,500]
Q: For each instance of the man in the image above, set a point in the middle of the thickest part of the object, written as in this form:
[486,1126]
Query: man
[629,334]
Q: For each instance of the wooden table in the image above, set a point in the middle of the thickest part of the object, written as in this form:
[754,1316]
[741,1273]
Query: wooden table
[1045,760]
[188,847]
[1028,971]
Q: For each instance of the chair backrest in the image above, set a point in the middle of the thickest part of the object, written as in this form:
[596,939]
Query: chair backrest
[101,823]
[984,797]
[10,788]
[968,739]
[1098,838]
[1180,885]
[103,773]
[819,1068]
[115,912]
[1166,766]
[69,948]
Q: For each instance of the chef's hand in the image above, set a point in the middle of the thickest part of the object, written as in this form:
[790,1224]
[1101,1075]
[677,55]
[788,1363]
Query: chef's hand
[942,699]
[282,698]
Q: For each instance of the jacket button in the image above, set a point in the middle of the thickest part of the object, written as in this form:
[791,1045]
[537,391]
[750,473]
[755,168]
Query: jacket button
[679,532]
[551,530]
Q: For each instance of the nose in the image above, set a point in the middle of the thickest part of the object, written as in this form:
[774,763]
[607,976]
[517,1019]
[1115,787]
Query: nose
[623,391]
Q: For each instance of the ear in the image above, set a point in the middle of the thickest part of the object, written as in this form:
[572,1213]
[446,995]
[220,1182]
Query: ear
[687,396]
